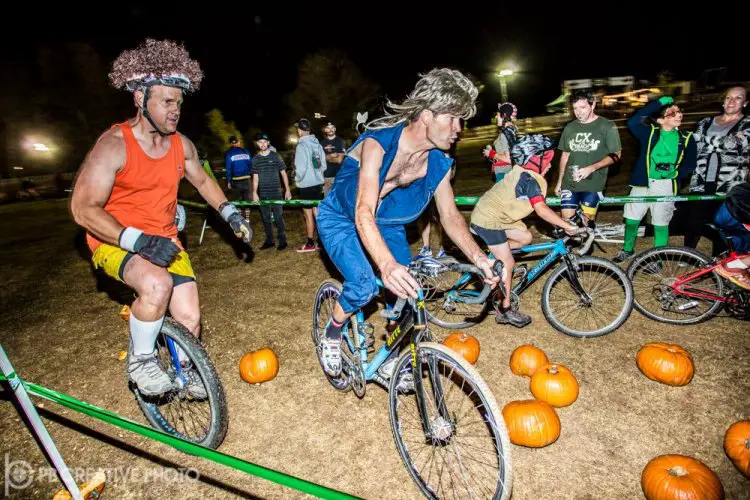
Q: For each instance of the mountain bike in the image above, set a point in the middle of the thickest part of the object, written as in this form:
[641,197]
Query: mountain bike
[445,421]
[583,296]
[680,286]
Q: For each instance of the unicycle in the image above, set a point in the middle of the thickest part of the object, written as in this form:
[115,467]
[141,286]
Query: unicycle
[201,418]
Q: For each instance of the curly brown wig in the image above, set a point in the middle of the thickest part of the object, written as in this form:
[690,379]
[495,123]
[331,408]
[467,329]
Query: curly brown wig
[155,60]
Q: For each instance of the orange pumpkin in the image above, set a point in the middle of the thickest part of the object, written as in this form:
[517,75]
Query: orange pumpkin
[125,312]
[526,359]
[531,423]
[665,363]
[737,445]
[259,366]
[673,477]
[466,345]
[554,384]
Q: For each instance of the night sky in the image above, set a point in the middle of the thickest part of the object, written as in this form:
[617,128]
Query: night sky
[249,53]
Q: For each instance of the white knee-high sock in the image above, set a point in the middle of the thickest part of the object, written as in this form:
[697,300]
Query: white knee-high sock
[144,334]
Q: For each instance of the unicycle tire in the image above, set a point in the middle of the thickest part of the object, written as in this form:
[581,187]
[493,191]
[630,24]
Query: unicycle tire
[179,402]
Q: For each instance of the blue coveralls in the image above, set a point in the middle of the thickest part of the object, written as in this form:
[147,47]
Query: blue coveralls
[401,206]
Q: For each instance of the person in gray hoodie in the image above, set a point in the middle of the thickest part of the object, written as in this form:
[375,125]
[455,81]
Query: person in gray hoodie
[310,164]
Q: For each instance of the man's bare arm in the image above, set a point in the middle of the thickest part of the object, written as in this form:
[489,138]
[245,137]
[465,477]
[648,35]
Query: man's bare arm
[395,276]
[454,223]
[455,227]
[194,173]
[563,163]
[93,186]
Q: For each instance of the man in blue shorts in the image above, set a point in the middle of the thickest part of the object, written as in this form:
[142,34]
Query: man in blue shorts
[589,145]
[388,178]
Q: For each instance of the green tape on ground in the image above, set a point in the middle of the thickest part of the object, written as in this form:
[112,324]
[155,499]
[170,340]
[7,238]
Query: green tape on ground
[192,448]
[463,201]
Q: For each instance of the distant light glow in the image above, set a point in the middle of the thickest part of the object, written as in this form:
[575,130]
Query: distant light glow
[292,139]
[38,146]
[17,168]
[505,72]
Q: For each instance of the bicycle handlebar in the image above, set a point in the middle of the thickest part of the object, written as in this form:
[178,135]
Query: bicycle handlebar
[497,270]
[587,244]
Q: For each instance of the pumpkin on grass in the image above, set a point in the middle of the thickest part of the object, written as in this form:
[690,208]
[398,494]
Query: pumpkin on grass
[531,423]
[466,345]
[666,363]
[259,366]
[526,359]
[737,445]
[677,477]
[555,384]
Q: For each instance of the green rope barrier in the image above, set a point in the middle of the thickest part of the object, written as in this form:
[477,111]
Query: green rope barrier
[188,447]
[472,200]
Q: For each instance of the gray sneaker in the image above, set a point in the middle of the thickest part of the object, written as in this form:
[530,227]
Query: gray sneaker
[405,383]
[511,317]
[622,256]
[145,372]
[195,385]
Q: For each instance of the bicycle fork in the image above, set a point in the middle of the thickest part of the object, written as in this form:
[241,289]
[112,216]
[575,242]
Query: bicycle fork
[441,427]
[575,284]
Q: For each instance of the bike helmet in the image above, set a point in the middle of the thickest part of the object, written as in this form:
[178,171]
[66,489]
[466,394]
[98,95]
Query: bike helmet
[155,62]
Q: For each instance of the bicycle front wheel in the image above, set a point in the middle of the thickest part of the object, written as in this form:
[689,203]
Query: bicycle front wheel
[201,418]
[601,305]
[460,448]
[655,271]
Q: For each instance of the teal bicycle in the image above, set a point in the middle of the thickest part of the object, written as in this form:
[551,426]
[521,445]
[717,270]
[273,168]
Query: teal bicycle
[447,425]
[584,296]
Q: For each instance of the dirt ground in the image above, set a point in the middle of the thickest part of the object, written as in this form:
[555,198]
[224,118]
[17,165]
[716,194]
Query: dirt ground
[62,331]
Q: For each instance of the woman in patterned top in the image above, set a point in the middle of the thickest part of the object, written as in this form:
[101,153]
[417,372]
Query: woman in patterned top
[722,163]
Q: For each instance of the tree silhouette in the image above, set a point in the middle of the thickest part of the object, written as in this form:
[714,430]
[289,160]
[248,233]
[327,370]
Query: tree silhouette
[330,84]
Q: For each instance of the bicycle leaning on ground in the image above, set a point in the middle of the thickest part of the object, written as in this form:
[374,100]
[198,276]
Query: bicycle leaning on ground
[680,286]
[584,296]
[445,421]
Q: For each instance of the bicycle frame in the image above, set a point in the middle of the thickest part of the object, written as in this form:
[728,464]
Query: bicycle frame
[410,319]
[682,285]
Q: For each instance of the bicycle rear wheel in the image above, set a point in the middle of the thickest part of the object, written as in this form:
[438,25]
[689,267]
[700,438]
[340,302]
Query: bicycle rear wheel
[606,306]
[654,271]
[200,420]
[467,455]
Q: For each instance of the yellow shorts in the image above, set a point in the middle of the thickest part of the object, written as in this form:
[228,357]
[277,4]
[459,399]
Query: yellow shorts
[112,260]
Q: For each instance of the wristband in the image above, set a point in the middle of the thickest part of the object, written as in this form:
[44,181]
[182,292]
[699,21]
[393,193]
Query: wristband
[128,237]
[226,210]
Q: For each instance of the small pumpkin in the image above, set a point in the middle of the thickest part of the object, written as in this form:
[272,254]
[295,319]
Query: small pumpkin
[666,363]
[526,359]
[125,312]
[259,366]
[737,445]
[555,384]
[466,345]
[531,423]
[673,477]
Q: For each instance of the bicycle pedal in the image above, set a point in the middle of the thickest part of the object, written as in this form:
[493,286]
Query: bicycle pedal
[367,330]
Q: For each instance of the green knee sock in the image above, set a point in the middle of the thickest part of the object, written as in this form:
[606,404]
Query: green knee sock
[661,236]
[631,233]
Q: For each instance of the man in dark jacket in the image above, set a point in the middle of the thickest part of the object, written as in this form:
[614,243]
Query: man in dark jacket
[238,164]
[667,156]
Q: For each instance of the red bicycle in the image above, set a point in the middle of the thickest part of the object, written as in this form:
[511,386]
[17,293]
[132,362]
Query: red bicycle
[680,286]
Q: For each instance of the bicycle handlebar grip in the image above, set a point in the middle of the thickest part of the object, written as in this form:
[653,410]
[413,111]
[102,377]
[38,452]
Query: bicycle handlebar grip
[468,268]
[585,247]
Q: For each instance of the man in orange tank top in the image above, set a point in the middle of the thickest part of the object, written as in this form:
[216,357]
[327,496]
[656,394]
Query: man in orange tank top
[126,196]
